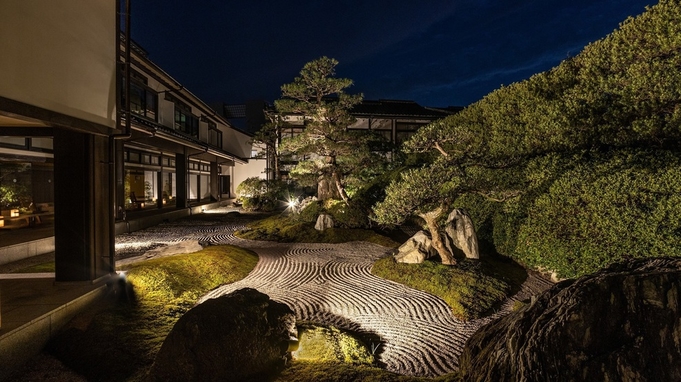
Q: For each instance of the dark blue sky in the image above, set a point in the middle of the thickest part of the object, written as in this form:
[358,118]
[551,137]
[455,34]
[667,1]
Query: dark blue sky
[437,53]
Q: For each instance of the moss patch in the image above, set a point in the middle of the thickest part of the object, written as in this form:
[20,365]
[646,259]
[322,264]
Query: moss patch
[321,344]
[285,229]
[133,328]
[471,288]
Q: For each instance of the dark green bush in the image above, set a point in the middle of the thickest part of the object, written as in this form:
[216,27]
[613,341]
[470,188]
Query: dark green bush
[265,203]
[310,213]
[352,216]
[258,194]
[251,187]
[619,205]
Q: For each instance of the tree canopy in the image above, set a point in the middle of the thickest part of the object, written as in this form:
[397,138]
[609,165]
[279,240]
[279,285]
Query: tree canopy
[325,148]
[621,92]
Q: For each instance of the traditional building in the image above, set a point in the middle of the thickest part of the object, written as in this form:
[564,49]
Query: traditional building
[395,120]
[180,151]
[92,132]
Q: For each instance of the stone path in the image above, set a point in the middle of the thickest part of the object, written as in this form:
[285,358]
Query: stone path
[333,284]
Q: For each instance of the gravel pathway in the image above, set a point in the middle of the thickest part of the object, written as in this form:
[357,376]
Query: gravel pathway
[332,284]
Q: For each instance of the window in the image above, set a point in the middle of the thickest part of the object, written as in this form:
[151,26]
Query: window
[14,141]
[143,100]
[214,135]
[134,157]
[383,127]
[185,121]
[404,130]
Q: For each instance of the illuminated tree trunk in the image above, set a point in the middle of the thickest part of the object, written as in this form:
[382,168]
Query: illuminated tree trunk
[339,186]
[326,188]
[436,239]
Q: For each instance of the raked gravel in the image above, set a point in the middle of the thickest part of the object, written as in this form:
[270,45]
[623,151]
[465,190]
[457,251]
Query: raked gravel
[332,284]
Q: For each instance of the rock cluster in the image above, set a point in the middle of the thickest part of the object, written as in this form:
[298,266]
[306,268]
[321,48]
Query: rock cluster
[620,324]
[241,336]
[415,250]
[459,233]
[324,221]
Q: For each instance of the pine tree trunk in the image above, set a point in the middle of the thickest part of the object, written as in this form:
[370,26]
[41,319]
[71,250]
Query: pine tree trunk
[326,189]
[436,239]
[277,175]
[341,189]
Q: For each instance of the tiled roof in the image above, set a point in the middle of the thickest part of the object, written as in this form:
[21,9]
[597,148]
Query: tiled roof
[234,111]
[395,108]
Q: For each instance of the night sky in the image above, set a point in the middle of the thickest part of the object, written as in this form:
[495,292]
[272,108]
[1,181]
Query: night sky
[437,53]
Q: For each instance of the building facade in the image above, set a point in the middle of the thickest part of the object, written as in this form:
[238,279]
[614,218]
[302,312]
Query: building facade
[180,151]
[394,120]
[92,132]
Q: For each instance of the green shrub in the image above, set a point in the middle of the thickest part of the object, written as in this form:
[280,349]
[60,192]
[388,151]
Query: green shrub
[352,216]
[310,213]
[264,203]
[257,194]
[251,187]
[286,229]
[619,205]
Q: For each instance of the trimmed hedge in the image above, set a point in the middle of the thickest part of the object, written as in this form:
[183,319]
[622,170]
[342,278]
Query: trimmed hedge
[581,212]
[624,204]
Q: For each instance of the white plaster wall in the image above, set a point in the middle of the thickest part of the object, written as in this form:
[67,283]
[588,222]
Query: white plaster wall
[236,142]
[166,112]
[254,167]
[60,55]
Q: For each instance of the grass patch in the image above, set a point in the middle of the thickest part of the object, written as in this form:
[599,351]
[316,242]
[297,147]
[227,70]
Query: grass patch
[471,288]
[119,341]
[285,229]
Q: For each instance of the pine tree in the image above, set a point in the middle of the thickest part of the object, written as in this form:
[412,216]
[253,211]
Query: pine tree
[325,148]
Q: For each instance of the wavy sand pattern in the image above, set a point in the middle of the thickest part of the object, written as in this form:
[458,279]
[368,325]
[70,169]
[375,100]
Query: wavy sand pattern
[332,284]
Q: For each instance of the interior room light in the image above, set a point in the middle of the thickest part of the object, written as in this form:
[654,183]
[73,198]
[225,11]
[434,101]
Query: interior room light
[14,213]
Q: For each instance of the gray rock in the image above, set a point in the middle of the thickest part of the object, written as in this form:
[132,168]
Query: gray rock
[460,232]
[299,207]
[241,336]
[324,221]
[620,324]
[415,250]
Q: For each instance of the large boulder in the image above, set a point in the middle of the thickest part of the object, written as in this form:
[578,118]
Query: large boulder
[241,336]
[416,250]
[620,324]
[460,232]
[324,221]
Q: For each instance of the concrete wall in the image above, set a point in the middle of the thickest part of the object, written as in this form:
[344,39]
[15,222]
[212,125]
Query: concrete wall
[60,56]
[18,346]
[25,250]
